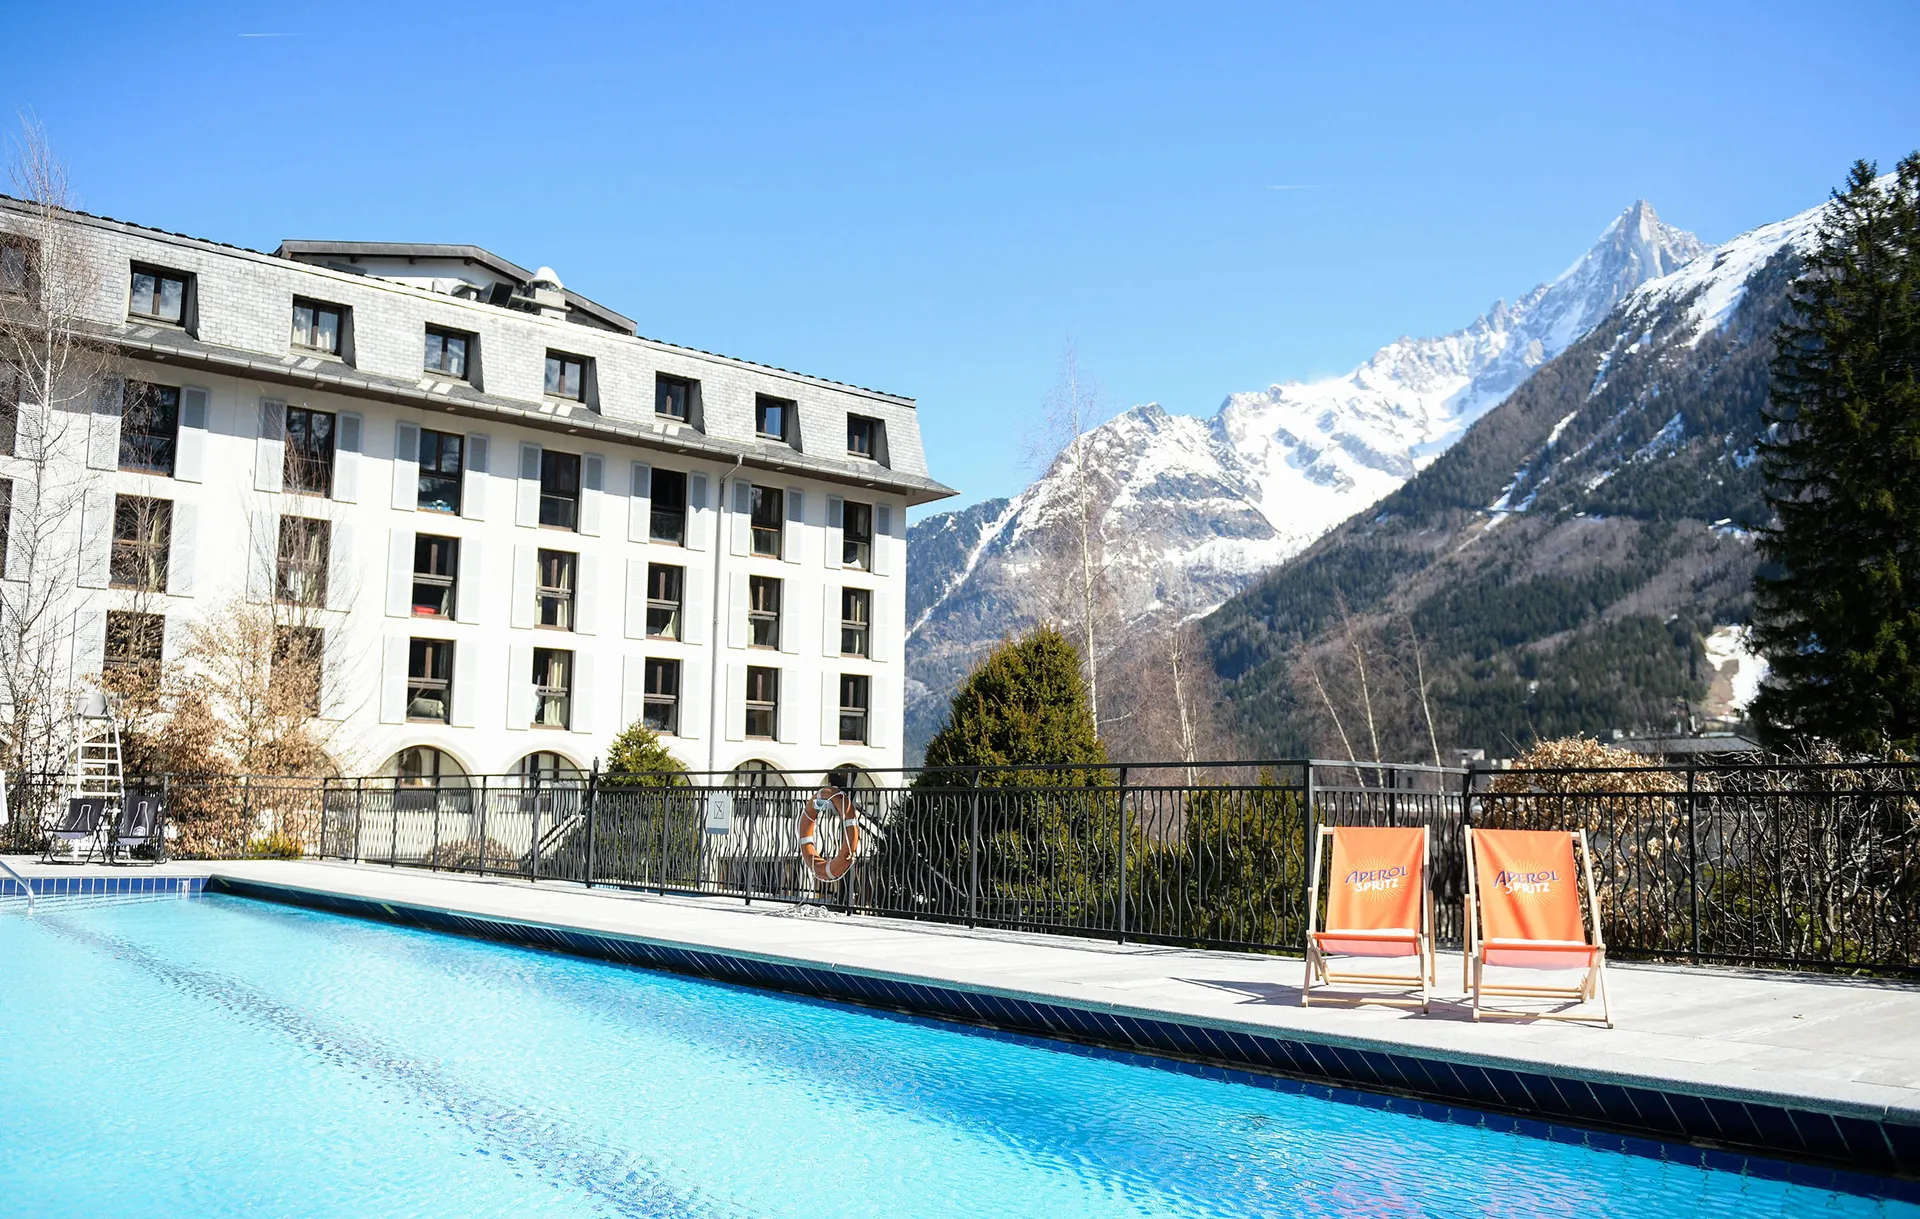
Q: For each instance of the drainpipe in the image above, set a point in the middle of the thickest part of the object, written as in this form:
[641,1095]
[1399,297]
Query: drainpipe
[716,692]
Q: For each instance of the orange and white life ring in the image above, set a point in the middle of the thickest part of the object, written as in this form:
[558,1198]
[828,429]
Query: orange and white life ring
[829,798]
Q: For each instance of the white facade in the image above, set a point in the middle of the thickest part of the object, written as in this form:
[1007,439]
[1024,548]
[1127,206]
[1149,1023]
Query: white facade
[243,388]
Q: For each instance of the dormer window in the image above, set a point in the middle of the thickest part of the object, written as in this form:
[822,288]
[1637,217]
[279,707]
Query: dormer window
[318,327]
[447,352]
[159,295]
[16,265]
[567,376]
[863,437]
[672,397]
[773,418]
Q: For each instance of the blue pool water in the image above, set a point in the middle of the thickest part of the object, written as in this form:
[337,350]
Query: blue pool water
[214,1056]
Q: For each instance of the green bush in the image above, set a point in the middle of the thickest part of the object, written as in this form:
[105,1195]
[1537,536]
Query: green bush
[638,759]
[276,845]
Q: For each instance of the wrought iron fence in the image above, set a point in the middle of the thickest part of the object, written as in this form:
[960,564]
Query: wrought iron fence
[1803,865]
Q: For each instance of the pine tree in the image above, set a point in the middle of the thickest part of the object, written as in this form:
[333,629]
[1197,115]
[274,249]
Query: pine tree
[1837,601]
[1024,705]
[1047,848]
[638,759]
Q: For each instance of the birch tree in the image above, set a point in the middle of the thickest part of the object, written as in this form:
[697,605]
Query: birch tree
[1076,573]
[51,374]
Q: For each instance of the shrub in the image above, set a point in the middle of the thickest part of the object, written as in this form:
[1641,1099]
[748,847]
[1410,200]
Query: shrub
[276,845]
[638,759]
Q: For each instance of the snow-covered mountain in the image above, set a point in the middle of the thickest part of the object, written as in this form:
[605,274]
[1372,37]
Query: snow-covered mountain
[1192,510]
[1579,561]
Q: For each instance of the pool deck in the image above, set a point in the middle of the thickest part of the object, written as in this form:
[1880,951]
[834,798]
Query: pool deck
[1812,1067]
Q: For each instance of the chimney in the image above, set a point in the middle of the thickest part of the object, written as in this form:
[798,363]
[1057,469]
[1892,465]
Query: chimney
[545,293]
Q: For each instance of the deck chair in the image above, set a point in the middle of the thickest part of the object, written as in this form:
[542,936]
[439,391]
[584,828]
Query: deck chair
[1523,911]
[1379,906]
[138,826]
[80,827]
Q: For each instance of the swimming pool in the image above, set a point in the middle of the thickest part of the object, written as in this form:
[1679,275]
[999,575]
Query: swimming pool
[219,1056]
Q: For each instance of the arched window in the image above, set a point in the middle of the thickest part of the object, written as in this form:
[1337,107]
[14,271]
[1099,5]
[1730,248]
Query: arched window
[852,778]
[423,766]
[758,774]
[546,767]
[425,777]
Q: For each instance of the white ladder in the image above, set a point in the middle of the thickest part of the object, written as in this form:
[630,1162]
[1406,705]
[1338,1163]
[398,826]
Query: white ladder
[93,761]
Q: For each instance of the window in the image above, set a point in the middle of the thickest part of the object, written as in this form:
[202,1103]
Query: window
[556,590]
[665,593]
[772,417]
[544,768]
[149,427]
[447,352]
[566,376]
[769,520]
[429,679]
[856,621]
[667,520]
[856,536]
[863,437]
[425,766]
[301,573]
[672,397]
[854,691]
[763,612]
[142,533]
[552,687]
[317,327]
[763,702]
[9,412]
[436,567]
[17,258]
[559,489]
[660,709]
[309,461]
[134,644]
[159,295]
[440,467]
[294,679]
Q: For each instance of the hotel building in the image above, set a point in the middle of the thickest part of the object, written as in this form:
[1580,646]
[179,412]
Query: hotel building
[510,525]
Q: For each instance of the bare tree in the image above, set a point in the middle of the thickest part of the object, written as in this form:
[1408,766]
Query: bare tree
[1076,570]
[257,670]
[1356,646]
[1422,688]
[53,375]
[1312,667]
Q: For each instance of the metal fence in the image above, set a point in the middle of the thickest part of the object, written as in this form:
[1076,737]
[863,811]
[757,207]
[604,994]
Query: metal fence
[1805,865]
[1777,864]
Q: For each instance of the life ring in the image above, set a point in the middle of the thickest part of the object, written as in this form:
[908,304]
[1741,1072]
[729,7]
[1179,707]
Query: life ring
[827,870]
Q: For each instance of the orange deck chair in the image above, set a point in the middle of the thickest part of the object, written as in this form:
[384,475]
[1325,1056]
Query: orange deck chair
[1523,912]
[1378,906]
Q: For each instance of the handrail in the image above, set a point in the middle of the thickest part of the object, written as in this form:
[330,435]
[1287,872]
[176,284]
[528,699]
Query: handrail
[21,880]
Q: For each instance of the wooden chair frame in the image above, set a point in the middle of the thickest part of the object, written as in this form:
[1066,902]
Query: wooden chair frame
[1592,985]
[1323,970]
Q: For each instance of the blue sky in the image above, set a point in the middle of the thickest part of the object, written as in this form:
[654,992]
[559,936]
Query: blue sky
[1201,198]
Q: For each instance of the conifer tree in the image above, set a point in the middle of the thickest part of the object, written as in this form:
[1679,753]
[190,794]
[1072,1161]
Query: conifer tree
[1047,848]
[638,759]
[1837,600]
[1024,705]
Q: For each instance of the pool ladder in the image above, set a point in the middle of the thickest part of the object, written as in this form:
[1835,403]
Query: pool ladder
[21,881]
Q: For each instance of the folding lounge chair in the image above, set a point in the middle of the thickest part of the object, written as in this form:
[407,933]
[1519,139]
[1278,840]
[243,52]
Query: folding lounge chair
[81,827]
[1524,912]
[1379,906]
[138,826]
